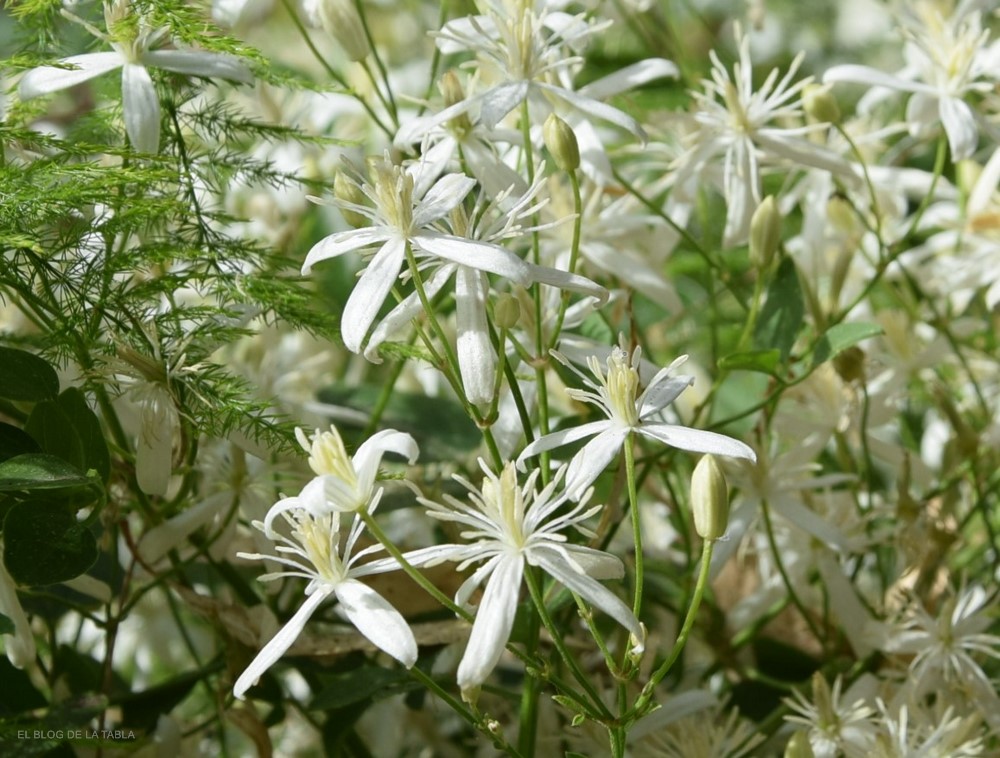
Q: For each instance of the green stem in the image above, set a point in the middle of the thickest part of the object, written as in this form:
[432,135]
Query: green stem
[633,504]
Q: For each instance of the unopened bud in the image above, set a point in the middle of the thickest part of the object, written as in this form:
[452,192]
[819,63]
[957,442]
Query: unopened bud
[709,499]
[765,233]
[347,191]
[340,19]
[820,104]
[561,142]
[850,364]
[453,94]
[798,746]
[507,311]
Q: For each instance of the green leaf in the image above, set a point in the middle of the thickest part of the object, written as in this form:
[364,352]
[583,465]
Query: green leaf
[140,710]
[6,625]
[52,428]
[596,328]
[841,337]
[45,544]
[438,424]
[38,471]
[781,317]
[14,441]
[360,684]
[18,694]
[761,361]
[25,376]
[88,429]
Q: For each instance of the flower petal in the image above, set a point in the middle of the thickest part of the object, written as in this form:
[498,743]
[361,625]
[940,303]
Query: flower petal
[661,392]
[476,357]
[280,643]
[199,63]
[369,455]
[141,108]
[564,280]
[629,77]
[697,440]
[597,109]
[591,461]
[405,311]
[494,621]
[871,76]
[960,126]
[445,195]
[370,292]
[560,438]
[590,590]
[46,79]
[501,100]
[343,242]
[480,255]
[377,620]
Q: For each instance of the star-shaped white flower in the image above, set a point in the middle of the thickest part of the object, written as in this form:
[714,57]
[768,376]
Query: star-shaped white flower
[343,483]
[510,527]
[616,392]
[405,202]
[314,552]
[140,103]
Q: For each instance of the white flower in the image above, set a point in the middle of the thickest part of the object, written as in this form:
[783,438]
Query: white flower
[344,483]
[835,729]
[616,392]
[20,645]
[134,55]
[947,59]
[744,128]
[916,733]
[406,201]
[511,527]
[313,552]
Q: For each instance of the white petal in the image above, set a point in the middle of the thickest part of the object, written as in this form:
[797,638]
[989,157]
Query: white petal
[660,393]
[370,292]
[405,311]
[564,280]
[476,358]
[596,563]
[280,643]
[494,621]
[445,195]
[501,100]
[20,646]
[199,63]
[379,622]
[46,79]
[597,109]
[592,591]
[164,537]
[141,107]
[560,438]
[960,126]
[741,191]
[369,455]
[809,521]
[590,462]
[697,440]
[343,242]
[481,255]
[873,77]
[629,77]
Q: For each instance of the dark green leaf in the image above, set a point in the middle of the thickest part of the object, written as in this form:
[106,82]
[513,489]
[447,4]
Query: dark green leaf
[52,428]
[88,429]
[141,710]
[45,544]
[761,361]
[25,376]
[360,684]
[14,441]
[18,694]
[6,625]
[597,329]
[841,337]
[38,471]
[781,317]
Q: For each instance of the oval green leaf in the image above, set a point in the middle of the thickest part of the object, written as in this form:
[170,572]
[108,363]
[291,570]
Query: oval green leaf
[38,471]
[45,544]
[25,376]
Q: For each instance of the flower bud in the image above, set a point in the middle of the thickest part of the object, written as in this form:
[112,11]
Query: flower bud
[850,364]
[820,104]
[507,311]
[765,233]
[966,175]
[452,93]
[561,142]
[798,746]
[347,191]
[709,499]
[340,19]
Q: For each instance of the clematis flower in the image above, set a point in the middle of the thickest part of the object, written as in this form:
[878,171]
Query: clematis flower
[313,552]
[948,58]
[133,53]
[513,526]
[343,483]
[616,392]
